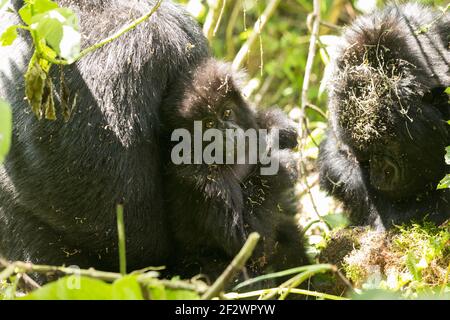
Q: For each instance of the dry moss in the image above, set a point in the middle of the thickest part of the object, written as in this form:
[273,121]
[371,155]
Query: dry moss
[410,259]
[374,94]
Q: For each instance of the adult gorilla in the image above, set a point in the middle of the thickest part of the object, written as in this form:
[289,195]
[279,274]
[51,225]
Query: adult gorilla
[384,152]
[61,182]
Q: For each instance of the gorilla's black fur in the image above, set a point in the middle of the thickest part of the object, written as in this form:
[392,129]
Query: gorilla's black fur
[384,152]
[213,208]
[61,182]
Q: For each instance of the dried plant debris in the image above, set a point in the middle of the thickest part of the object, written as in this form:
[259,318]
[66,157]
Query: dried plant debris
[373,93]
[410,259]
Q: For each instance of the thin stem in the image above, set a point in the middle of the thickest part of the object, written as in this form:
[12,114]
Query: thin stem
[306,79]
[257,28]
[235,266]
[285,273]
[309,62]
[104,42]
[230,28]
[121,235]
[298,279]
[213,18]
[220,17]
[257,293]
[145,279]
[24,267]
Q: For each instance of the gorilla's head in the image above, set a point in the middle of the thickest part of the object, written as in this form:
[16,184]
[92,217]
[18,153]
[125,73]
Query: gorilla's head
[211,94]
[389,104]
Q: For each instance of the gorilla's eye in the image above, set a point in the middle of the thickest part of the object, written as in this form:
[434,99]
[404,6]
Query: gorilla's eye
[209,124]
[390,171]
[387,172]
[227,114]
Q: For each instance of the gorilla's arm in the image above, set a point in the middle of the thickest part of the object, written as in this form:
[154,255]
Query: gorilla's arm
[206,208]
[342,176]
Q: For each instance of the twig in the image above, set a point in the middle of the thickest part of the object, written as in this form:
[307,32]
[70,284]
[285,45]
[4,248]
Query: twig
[259,25]
[303,174]
[309,63]
[220,17]
[316,109]
[20,267]
[213,18]
[330,25]
[29,283]
[235,266]
[299,279]
[285,273]
[230,28]
[306,79]
[106,41]
[198,287]
[345,280]
[261,49]
[25,267]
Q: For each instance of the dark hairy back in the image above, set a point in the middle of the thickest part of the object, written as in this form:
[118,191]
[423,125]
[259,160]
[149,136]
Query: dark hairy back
[61,181]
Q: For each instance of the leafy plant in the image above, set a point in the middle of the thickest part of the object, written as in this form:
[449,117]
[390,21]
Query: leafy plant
[56,39]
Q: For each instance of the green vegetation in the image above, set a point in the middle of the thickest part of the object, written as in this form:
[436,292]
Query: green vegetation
[5,129]
[271,40]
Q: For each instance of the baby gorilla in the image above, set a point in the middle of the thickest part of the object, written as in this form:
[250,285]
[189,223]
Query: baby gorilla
[384,151]
[214,207]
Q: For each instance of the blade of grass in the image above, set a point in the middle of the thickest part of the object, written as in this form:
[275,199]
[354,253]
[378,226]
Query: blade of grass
[121,234]
[246,295]
[235,266]
[284,273]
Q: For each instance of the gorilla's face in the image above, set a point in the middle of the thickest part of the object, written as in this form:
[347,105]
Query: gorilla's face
[410,159]
[217,111]
[211,95]
[401,174]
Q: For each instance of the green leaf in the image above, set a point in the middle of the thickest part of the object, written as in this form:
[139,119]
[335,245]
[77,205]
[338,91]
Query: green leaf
[36,7]
[73,288]
[5,129]
[181,295]
[447,155]
[60,30]
[445,183]
[159,292]
[35,79]
[83,288]
[7,38]
[336,221]
[127,288]
[411,264]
